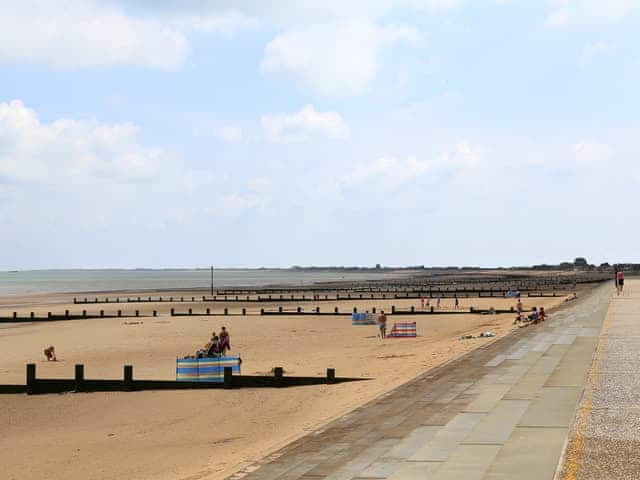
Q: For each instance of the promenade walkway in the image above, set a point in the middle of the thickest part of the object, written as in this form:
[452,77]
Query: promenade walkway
[605,439]
[503,411]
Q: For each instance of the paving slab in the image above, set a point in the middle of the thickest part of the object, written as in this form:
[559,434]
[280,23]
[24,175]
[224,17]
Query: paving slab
[528,454]
[554,407]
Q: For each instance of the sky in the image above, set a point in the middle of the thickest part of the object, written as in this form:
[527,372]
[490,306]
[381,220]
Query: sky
[275,133]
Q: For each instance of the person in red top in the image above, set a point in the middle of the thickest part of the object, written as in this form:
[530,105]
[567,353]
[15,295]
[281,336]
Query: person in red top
[620,281]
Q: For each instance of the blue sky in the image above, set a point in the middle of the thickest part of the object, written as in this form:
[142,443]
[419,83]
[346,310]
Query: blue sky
[273,133]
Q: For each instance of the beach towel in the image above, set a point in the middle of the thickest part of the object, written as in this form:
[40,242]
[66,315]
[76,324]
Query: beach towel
[205,369]
[403,330]
[363,319]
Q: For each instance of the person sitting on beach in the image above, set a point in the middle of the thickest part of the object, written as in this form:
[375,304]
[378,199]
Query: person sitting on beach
[519,319]
[213,346]
[224,342]
[542,314]
[50,353]
[533,317]
[382,324]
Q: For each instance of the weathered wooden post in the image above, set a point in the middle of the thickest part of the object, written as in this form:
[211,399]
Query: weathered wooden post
[101,313]
[84,314]
[277,373]
[393,309]
[226,311]
[119,313]
[355,309]
[79,378]
[66,314]
[190,311]
[208,311]
[155,313]
[128,378]
[31,378]
[173,311]
[331,376]
[335,310]
[228,377]
[244,311]
[298,310]
[137,313]
[32,315]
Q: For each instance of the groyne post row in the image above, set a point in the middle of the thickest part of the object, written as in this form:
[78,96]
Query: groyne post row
[79,383]
[336,311]
[280,310]
[326,298]
[15,318]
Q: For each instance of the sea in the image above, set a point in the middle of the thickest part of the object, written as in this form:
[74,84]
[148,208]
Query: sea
[86,281]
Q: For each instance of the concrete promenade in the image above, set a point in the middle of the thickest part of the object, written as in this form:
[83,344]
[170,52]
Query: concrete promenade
[605,438]
[503,411]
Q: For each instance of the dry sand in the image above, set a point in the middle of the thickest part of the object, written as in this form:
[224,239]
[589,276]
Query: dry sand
[203,434]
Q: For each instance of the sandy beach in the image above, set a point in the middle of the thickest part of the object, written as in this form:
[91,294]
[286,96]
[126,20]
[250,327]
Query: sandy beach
[204,434]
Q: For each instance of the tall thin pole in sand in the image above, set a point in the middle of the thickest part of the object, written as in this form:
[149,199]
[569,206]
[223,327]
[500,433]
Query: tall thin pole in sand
[212,280]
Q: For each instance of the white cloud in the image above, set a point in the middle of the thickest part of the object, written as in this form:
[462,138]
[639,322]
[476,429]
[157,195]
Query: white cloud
[93,34]
[303,126]
[85,34]
[340,58]
[589,12]
[389,173]
[230,134]
[69,150]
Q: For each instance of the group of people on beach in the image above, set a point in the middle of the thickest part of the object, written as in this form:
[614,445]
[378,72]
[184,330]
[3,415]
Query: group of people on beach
[216,347]
[427,302]
[535,317]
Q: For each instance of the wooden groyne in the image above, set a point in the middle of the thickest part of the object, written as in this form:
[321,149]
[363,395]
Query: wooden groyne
[80,383]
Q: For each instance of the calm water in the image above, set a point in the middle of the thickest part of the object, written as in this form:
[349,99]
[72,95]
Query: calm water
[59,281]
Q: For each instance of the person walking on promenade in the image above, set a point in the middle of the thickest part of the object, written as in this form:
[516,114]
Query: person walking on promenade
[457,302]
[620,282]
